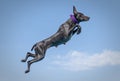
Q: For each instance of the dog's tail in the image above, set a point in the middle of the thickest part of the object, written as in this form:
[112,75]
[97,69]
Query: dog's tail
[33,47]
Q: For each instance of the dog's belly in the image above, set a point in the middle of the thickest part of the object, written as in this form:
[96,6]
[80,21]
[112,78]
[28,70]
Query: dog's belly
[60,41]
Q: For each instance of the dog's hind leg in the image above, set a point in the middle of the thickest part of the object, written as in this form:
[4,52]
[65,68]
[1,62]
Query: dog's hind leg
[38,56]
[28,55]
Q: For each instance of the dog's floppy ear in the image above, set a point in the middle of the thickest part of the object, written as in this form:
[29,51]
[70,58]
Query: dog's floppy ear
[74,10]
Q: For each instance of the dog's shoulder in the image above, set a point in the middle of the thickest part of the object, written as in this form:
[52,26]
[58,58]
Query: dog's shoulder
[64,26]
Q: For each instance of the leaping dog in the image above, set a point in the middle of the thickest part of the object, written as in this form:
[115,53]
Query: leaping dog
[63,35]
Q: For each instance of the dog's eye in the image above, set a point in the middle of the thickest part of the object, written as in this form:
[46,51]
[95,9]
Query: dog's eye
[81,15]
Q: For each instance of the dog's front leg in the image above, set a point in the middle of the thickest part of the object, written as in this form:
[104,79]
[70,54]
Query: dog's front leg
[78,30]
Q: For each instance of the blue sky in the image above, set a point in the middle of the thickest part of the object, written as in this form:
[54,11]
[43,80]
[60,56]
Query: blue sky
[94,55]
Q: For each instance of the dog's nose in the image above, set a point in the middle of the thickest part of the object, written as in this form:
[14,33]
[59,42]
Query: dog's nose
[88,18]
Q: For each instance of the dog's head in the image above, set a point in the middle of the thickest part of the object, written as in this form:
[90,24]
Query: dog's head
[80,16]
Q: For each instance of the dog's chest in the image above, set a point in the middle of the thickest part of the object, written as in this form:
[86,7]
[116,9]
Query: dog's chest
[61,38]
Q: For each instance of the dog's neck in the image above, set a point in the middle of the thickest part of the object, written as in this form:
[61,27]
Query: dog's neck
[74,19]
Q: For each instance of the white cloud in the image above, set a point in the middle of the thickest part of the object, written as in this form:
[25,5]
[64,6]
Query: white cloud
[77,61]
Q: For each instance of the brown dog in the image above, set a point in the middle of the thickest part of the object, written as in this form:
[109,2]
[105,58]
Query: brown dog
[64,34]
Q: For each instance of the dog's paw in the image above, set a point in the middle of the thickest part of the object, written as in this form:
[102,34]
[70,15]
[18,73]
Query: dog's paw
[78,31]
[27,71]
[23,60]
